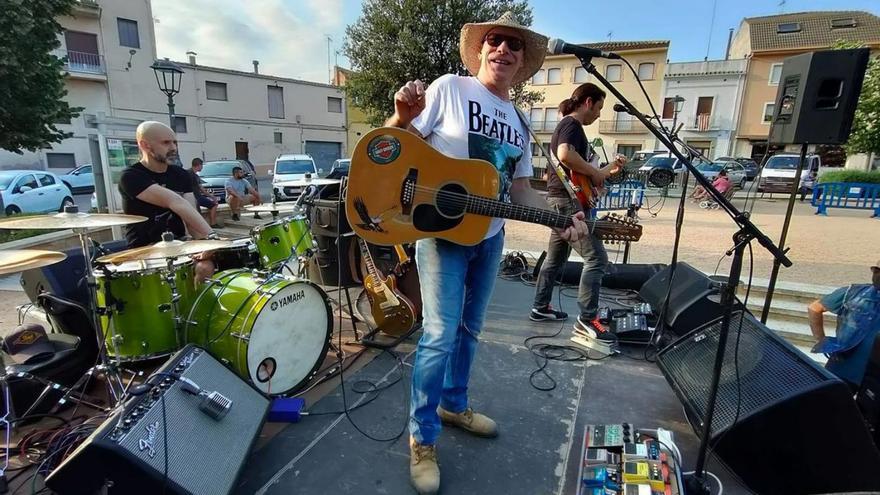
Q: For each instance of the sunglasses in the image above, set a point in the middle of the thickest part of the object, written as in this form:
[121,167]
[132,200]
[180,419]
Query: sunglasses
[513,43]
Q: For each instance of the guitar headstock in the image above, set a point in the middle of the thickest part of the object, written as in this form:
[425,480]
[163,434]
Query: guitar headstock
[616,228]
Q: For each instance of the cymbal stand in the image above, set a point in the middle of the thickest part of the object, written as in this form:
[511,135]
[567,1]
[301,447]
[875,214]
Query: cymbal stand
[115,385]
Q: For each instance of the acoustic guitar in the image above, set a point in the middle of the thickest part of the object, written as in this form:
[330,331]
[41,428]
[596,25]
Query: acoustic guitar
[392,312]
[400,189]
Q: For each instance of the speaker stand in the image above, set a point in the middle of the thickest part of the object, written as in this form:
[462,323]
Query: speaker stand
[774,274]
[697,483]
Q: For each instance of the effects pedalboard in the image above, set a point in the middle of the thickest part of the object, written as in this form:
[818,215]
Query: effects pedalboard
[617,459]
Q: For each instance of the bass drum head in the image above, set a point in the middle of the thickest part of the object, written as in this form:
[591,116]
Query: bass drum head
[289,338]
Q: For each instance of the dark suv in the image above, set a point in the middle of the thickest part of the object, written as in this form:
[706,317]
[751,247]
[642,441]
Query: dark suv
[751,166]
[215,172]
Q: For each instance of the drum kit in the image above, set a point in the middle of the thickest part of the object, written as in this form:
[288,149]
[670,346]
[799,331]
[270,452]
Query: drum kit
[271,328]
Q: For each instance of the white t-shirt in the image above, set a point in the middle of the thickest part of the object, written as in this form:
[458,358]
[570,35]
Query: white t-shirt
[463,119]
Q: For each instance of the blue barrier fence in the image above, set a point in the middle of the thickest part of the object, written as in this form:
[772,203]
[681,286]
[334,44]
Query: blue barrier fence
[854,195]
[621,196]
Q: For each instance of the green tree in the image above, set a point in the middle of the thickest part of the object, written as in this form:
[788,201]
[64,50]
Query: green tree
[395,41]
[31,78]
[865,134]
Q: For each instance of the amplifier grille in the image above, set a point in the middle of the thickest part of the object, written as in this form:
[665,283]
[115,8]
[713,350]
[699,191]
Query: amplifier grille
[765,369]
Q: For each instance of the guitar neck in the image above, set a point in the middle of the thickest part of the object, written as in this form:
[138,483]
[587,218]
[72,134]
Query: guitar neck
[368,260]
[493,208]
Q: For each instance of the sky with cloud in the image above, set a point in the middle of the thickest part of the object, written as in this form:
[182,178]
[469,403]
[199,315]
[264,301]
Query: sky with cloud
[288,37]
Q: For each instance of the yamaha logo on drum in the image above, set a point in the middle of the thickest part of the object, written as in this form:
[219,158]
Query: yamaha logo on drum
[284,301]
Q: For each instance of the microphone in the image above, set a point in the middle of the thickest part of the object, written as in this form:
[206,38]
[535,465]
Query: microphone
[618,107]
[214,404]
[558,47]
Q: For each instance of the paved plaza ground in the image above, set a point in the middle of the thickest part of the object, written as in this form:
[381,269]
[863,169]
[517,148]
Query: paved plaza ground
[828,250]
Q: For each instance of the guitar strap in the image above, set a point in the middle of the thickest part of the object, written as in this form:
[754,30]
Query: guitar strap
[570,188]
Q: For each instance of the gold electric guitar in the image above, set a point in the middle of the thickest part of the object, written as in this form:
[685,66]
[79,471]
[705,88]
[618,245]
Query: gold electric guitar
[400,189]
[392,311]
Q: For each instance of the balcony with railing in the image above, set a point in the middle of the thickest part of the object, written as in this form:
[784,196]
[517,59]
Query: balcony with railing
[704,122]
[82,62]
[621,126]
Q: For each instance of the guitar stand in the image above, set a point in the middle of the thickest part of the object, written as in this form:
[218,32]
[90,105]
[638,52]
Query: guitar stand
[369,339]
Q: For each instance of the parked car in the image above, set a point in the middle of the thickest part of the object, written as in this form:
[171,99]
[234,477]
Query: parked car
[339,168]
[215,172]
[33,191]
[639,158]
[779,171]
[736,174]
[80,180]
[291,168]
[751,166]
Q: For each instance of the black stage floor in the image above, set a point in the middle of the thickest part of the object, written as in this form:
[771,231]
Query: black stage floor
[537,451]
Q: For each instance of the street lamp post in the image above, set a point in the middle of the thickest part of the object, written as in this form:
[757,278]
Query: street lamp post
[168,76]
[678,103]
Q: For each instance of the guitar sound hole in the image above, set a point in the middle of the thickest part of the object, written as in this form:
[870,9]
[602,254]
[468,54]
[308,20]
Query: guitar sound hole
[451,200]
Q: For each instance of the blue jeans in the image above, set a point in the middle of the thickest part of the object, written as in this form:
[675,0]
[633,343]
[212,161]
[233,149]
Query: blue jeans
[595,259]
[457,283]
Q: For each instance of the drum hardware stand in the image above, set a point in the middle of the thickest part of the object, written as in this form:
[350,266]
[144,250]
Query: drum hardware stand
[115,386]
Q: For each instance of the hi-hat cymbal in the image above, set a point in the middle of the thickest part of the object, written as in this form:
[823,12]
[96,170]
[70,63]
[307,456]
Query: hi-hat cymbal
[19,260]
[164,249]
[274,207]
[308,182]
[70,221]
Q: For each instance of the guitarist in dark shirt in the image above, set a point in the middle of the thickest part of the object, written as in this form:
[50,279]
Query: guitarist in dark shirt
[575,154]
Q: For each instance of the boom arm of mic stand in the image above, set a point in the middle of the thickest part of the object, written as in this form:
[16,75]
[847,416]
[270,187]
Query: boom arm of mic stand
[739,217]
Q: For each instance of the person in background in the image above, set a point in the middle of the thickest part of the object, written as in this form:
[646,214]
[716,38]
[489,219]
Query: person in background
[808,183]
[575,154]
[721,184]
[204,198]
[240,192]
[857,308]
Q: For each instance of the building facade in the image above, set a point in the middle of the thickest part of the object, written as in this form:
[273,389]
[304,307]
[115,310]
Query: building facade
[620,133]
[219,113]
[712,91]
[765,42]
[356,119]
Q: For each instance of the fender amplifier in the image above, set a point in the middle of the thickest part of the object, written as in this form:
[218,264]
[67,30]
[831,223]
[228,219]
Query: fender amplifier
[170,440]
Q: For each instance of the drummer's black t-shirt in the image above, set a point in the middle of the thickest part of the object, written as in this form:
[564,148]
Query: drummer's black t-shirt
[134,180]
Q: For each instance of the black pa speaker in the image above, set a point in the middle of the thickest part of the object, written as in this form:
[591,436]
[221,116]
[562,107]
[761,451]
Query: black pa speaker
[817,97]
[205,448]
[782,423]
[694,301]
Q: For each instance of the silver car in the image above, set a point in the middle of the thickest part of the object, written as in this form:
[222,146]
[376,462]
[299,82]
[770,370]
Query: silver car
[33,191]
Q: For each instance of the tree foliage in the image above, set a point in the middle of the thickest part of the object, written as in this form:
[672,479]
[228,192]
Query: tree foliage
[31,78]
[395,41]
[865,134]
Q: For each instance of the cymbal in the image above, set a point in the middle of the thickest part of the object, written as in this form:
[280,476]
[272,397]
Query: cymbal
[70,221]
[274,207]
[308,182]
[164,249]
[19,260]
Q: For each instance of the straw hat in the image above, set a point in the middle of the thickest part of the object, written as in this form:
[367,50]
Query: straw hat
[472,35]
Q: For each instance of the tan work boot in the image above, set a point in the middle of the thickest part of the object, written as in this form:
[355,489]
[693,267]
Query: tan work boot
[476,423]
[424,473]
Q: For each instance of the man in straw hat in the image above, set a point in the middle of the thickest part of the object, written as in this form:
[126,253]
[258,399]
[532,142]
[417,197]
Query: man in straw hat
[858,320]
[466,117]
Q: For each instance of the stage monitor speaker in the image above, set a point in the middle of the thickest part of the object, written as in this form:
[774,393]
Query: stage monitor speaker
[205,450]
[817,97]
[694,301]
[782,423]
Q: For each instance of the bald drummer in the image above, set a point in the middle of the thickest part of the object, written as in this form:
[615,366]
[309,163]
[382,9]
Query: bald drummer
[162,192]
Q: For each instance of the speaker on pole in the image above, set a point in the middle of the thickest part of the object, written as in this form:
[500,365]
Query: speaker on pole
[817,96]
[782,423]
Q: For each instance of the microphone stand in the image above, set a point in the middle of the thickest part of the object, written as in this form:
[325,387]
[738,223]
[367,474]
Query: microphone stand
[697,483]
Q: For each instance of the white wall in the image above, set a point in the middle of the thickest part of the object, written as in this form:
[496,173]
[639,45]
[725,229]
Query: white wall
[726,91]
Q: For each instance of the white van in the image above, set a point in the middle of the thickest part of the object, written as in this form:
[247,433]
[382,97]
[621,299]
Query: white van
[291,168]
[778,173]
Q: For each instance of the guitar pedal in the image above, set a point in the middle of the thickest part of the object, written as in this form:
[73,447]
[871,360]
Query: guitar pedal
[604,315]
